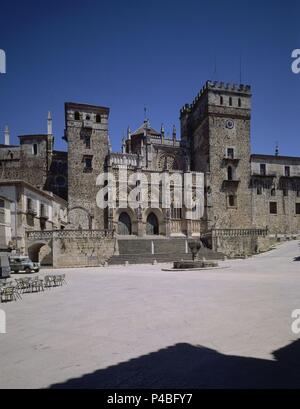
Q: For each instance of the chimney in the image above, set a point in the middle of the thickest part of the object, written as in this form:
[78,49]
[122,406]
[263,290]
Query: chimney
[6,136]
[49,122]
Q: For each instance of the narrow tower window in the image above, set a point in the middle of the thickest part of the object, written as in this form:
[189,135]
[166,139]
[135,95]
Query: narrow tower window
[230,153]
[88,142]
[230,101]
[240,102]
[34,149]
[273,208]
[229,173]
[232,201]
[221,100]
[76,116]
[98,118]
[287,171]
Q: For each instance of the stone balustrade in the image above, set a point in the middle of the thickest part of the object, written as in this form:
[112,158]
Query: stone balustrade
[239,232]
[127,159]
[69,234]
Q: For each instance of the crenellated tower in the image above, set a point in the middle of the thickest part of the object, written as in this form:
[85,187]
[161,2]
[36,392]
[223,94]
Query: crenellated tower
[88,144]
[217,128]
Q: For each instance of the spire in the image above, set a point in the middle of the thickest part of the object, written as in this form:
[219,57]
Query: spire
[174,132]
[6,136]
[49,121]
[109,144]
[276,149]
[123,146]
[128,133]
[162,131]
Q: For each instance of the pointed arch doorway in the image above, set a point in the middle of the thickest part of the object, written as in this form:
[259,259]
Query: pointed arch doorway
[124,224]
[152,225]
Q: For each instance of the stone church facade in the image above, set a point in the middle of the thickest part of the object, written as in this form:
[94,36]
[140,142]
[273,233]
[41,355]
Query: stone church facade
[248,196]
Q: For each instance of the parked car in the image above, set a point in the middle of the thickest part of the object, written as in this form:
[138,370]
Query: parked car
[23,264]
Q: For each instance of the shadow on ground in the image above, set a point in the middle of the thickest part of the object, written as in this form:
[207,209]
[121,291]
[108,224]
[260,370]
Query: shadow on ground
[297,258]
[187,366]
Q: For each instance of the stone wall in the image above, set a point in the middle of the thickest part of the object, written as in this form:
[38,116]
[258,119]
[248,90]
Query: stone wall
[235,243]
[73,248]
[82,252]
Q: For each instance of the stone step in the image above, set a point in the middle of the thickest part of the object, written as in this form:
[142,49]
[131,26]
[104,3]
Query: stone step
[161,257]
[139,251]
[144,246]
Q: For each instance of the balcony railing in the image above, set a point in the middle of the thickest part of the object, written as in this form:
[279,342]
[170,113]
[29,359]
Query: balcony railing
[231,159]
[231,183]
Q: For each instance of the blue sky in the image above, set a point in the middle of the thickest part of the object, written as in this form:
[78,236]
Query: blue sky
[130,54]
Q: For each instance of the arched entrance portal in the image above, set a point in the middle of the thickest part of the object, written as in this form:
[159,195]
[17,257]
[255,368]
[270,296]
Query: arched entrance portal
[124,224]
[152,227]
[41,252]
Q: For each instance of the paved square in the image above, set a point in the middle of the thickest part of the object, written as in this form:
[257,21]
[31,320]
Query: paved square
[138,326]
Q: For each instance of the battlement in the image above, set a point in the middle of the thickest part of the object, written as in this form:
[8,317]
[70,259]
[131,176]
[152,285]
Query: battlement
[218,86]
[222,86]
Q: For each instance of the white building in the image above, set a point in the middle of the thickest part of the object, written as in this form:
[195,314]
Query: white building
[24,208]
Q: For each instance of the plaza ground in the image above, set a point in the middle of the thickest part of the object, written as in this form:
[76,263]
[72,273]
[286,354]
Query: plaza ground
[139,326]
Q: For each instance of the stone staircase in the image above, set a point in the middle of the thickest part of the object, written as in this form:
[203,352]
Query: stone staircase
[162,250]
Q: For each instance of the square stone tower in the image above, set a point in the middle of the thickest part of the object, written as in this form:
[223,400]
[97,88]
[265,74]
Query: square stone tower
[217,128]
[87,137]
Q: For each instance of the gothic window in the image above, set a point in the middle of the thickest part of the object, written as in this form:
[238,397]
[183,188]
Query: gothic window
[168,162]
[76,116]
